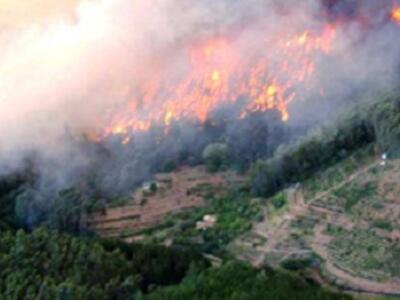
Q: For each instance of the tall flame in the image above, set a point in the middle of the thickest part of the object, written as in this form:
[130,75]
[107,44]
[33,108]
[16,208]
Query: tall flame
[217,73]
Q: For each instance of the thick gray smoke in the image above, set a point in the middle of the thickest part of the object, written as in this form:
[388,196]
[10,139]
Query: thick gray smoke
[67,68]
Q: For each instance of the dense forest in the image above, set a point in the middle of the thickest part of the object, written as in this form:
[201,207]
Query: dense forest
[47,265]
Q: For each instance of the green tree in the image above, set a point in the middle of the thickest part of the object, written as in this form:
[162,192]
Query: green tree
[216,156]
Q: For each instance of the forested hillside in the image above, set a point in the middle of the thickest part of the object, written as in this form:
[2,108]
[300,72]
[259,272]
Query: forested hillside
[199,150]
[46,264]
[376,123]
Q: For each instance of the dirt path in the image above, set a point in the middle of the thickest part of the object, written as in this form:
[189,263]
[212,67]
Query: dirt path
[353,283]
[279,232]
[321,241]
[297,208]
[343,182]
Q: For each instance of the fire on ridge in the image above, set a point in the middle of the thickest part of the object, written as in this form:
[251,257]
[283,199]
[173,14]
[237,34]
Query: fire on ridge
[216,73]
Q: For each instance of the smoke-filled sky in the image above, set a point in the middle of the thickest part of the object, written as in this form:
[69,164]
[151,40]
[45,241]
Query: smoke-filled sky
[24,13]
[63,62]
[66,65]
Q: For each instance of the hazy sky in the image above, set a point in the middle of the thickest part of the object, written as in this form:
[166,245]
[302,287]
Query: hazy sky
[24,12]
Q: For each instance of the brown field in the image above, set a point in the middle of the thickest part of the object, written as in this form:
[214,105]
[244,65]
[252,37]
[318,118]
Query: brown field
[177,191]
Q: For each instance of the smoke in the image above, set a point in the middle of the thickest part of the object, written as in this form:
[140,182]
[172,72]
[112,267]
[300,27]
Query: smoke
[68,67]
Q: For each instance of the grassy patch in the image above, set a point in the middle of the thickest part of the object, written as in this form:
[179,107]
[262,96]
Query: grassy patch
[354,193]
[279,200]
[364,253]
[382,224]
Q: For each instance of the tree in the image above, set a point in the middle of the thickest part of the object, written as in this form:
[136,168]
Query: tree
[216,156]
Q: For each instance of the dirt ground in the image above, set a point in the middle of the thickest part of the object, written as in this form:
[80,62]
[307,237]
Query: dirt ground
[279,242]
[177,191]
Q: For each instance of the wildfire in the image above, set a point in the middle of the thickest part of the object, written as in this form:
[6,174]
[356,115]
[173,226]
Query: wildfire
[220,73]
[395,15]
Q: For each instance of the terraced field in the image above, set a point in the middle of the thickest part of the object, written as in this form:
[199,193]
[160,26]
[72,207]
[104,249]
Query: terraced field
[347,218]
[173,193]
[343,224]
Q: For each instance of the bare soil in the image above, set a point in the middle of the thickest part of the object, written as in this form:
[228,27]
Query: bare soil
[179,191]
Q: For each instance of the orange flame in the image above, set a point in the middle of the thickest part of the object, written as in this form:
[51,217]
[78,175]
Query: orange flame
[219,73]
[395,15]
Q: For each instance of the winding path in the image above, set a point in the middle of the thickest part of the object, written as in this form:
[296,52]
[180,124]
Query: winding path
[320,241]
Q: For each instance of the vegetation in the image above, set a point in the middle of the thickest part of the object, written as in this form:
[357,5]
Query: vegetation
[237,281]
[279,200]
[49,265]
[365,254]
[334,175]
[296,264]
[46,265]
[235,213]
[378,123]
[354,193]
[383,224]
[216,156]
[10,208]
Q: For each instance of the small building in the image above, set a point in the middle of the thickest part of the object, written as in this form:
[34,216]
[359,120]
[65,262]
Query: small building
[151,187]
[384,159]
[207,222]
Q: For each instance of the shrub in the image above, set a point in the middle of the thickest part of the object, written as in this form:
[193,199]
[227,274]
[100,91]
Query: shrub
[383,224]
[279,200]
[296,264]
[153,187]
[216,156]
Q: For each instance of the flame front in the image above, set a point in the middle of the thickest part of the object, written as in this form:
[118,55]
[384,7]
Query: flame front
[395,14]
[218,73]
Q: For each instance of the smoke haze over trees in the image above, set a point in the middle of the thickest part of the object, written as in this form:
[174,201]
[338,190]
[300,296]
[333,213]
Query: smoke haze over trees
[70,67]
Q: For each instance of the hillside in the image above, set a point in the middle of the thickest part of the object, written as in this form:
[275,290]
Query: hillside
[200,150]
[346,218]
[326,207]
[168,194]
[341,225]
[46,265]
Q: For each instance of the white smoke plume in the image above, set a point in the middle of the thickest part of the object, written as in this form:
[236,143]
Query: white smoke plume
[66,66]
